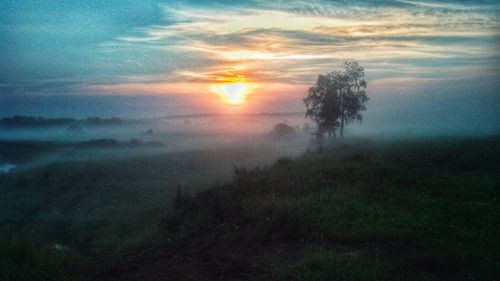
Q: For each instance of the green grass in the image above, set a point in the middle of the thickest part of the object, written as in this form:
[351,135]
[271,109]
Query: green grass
[356,210]
[409,210]
[22,258]
[87,203]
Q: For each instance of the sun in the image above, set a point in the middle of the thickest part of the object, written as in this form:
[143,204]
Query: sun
[233,93]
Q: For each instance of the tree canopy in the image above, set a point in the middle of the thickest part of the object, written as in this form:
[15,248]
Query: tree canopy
[337,98]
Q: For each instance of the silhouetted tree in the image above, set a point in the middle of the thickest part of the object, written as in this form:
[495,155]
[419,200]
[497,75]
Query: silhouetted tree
[337,98]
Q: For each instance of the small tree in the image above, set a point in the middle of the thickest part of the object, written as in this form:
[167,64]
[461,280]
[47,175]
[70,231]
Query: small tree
[337,98]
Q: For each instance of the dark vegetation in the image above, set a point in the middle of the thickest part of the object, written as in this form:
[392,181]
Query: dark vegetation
[357,210]
[100,143]
[98,210]
[21,151]
[74,128]
[283,130]
[103,121]
[108,143]
[30,121]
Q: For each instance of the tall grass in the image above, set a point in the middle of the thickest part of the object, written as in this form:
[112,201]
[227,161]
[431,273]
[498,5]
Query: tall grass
[408,210]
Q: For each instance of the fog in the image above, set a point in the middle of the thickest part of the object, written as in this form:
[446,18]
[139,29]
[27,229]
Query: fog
[462,109]
[145,129]
[208,144]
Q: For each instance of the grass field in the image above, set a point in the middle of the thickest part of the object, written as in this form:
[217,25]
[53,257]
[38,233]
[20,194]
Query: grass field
[358,209]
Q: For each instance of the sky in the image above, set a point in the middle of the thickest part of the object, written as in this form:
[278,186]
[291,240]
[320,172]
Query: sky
[440,56]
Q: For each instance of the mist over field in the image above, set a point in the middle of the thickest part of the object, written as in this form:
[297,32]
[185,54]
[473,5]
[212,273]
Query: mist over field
[388,115]
[249,137]
[249,140]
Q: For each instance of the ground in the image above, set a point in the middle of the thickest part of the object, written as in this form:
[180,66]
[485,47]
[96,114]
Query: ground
[358,209]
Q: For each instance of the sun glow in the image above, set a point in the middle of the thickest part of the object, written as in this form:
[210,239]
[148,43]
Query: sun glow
[233,93]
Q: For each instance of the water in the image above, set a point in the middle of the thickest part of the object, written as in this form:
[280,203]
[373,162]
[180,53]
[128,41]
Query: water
[6,168]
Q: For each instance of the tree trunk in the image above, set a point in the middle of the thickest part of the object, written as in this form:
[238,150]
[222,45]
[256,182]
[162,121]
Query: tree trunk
[342,125]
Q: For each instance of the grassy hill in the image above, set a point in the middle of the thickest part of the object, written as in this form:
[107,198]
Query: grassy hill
[355,210]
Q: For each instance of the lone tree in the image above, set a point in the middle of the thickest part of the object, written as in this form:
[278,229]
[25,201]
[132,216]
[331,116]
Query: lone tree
[337,98]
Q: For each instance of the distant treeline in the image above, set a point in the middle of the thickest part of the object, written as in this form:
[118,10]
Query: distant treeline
[96,143]
[30,121]
[103,121]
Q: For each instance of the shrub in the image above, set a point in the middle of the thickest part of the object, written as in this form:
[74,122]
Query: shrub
[283,130]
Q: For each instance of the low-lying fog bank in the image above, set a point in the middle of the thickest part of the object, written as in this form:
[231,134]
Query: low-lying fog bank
[248,139]
[30,140]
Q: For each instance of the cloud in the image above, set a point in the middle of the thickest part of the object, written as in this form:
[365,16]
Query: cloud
[282,42]
[292,42]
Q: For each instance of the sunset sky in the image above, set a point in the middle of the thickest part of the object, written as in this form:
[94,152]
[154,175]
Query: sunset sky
[183,49]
